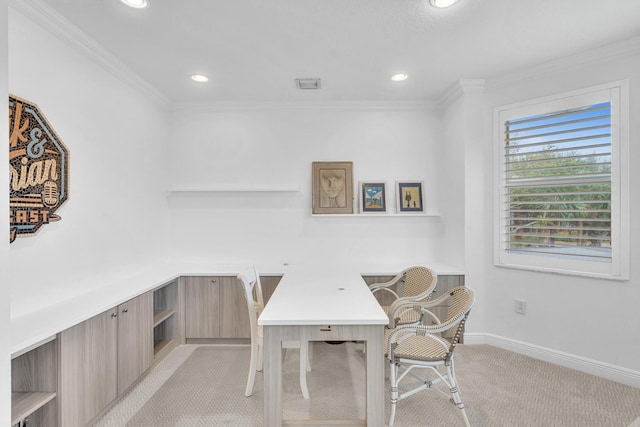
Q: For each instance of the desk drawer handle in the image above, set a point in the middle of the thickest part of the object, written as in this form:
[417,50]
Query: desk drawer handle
[328,329]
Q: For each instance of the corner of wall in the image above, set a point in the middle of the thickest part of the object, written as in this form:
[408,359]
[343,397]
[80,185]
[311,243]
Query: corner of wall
[5,338]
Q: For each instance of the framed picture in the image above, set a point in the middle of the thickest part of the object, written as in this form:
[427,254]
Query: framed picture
[332,187]
[373,197]
[409,197]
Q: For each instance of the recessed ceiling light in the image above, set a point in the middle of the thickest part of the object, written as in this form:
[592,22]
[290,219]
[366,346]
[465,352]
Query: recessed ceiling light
[199,78]
[138,4]
[443,3]
[399,77]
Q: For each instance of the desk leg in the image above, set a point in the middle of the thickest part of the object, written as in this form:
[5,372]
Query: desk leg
[375,376]
[272,354]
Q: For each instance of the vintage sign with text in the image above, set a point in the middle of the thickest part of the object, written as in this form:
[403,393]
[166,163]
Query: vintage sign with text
[38,167]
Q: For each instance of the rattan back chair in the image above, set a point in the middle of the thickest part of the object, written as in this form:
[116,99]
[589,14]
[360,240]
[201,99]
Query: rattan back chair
[428,349]
[414,284]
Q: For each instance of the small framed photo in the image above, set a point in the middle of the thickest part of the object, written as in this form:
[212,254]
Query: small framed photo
[373,197]
[332,187]
[409,197]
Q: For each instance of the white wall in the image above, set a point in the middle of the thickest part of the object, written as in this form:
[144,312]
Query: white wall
[465,127]
[589,318]
[275,145]
[5,352]
[114,220]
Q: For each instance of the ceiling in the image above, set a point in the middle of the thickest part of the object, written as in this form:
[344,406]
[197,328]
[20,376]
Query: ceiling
[252,50]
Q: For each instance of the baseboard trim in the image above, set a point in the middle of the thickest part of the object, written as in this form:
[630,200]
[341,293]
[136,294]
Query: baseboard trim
[582,364]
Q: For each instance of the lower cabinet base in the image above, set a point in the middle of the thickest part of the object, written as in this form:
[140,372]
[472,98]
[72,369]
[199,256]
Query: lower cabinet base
[235,341]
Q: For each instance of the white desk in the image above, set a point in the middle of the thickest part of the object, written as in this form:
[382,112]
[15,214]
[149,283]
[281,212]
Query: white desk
[317,304]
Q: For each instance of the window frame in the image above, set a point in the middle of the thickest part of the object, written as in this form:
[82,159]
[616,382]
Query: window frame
[618,94]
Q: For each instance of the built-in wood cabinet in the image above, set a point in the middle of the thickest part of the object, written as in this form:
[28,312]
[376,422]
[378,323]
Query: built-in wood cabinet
[88,379]
[215,307]
[34,386]
[71,379]
[269,284]
[202,307]
[166,306]
[102,357]
[135,339]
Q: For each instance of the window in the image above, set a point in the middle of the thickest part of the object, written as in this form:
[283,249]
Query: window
[563,184]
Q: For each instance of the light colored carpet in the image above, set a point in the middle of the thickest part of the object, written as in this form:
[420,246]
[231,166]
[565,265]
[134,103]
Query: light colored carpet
[204,386]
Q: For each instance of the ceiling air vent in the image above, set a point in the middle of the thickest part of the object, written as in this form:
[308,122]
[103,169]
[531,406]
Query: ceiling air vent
[304,84]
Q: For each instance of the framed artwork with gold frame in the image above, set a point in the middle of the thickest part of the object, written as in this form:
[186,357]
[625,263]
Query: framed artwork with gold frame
[332,187]
[410,197]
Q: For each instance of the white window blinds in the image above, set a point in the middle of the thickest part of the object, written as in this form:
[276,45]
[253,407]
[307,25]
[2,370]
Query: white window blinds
[557,184]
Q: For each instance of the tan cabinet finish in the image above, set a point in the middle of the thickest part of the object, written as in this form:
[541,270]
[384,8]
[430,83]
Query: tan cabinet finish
[215,307]
[269,284]
[88,360]
[135,339]
[234,319]
[34,385]
[166,319]
[202,307]
[102,357]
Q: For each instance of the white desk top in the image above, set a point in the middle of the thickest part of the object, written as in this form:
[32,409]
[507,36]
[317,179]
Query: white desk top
[35,328]
[312,296]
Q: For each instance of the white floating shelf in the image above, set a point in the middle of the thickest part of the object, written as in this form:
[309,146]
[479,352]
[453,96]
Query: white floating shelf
[430,213]
[234,189]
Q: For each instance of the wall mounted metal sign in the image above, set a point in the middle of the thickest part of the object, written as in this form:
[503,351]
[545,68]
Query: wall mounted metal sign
[38,167]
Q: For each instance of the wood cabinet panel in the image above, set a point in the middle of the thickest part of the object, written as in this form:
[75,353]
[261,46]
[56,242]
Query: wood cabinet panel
[215,306]
[202,307]
[166,315]
[34,383]
[384,298]
[135,339]
[269,284]
[87,368]
[234,319]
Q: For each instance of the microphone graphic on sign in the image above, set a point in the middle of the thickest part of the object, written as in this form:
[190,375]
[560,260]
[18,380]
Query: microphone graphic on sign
[50,194]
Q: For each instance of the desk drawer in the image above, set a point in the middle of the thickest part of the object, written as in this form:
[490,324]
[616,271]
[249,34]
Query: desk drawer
[328,332]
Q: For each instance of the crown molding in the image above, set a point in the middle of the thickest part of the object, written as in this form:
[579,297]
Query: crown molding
[48,19]
[617,50]
[305,105]
[458,89]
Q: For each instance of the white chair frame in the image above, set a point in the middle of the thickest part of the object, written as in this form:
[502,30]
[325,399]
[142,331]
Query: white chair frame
[410,292]
[255,304]
[431,338]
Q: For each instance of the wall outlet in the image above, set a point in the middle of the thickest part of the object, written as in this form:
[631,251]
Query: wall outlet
[521,306]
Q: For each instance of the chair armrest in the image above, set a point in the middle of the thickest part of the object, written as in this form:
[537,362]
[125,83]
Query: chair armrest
[395,295]
[402,305]
[384,285]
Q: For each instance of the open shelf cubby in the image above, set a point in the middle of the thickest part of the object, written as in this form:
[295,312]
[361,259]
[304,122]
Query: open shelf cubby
[34,386]
[165,303]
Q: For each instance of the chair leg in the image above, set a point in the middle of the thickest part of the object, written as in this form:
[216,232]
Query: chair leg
[456,399]
[304,363]
[253,365]
[309,348]
[393,374]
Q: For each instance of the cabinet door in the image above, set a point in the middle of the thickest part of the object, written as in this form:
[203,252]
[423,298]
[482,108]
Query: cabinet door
[269,284]
[234,318]
[135,339]
[383,297]
[88,369]
[202,307]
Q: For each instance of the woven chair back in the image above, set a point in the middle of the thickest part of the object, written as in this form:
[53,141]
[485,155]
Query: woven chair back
[418,281]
